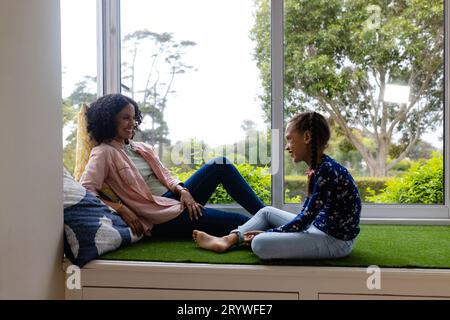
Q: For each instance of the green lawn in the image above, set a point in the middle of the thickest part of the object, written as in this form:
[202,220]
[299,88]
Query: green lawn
[381,245]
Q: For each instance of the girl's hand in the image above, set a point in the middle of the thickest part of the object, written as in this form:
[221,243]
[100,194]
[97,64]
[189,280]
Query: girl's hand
[250,235]
[194,208]
[131,220]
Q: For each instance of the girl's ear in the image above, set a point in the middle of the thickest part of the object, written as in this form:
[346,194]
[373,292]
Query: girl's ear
[307,137]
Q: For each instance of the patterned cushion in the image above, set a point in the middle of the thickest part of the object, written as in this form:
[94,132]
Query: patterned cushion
[90,227]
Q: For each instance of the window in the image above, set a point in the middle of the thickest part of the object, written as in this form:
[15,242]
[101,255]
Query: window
[79,67]
[377,73]
[208,73]
[196,81]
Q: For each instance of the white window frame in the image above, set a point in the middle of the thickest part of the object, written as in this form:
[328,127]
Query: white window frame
[108,46]
[109,78]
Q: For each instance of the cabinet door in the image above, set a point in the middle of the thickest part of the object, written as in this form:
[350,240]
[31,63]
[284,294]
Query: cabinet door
[162,294]
[338,296]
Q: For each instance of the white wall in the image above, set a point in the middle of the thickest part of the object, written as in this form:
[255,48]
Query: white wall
[31,216]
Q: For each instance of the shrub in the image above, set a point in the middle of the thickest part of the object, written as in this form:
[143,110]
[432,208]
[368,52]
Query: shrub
[368,186]
[258,178]
[423,183]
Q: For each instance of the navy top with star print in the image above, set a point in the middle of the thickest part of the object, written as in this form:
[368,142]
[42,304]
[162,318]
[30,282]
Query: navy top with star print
[334,205]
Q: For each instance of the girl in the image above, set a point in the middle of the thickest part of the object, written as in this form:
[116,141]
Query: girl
[329,220]
[152,200]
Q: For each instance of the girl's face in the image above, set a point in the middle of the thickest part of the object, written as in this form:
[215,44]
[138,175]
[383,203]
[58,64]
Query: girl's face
[125,123]
[298,144]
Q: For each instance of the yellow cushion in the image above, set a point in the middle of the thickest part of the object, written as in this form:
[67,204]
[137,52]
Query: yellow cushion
[84,144]
[83,150]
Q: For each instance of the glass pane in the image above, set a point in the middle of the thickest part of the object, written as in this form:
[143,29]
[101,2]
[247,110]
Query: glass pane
[376,72]
[79,67]
[191,67]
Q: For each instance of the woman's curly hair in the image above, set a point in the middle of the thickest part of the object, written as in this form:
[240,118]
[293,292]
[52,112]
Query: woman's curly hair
[101,116]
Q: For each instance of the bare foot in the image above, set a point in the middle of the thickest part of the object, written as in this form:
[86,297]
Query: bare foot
[217,244]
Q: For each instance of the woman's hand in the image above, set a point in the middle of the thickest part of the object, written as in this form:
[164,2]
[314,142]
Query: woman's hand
[194,208]
[131,220]
[250,235]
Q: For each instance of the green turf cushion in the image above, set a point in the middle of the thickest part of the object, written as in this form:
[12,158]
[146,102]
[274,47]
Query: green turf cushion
[381,245]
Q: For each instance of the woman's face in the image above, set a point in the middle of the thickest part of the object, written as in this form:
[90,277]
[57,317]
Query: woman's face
[297,144]
[125,123]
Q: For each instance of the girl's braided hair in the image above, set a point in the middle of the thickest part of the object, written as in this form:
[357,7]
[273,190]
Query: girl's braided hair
[320,134]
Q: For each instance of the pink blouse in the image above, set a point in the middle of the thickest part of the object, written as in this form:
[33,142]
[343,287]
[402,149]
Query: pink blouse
[108,163]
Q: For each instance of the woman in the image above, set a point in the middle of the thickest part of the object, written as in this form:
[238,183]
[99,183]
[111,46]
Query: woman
[153,202]
[329,221]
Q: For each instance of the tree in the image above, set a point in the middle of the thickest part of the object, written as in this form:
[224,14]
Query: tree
[84,92]
[249,126]
[344,152]
[162,56]
[341,55]
[255,148]
[69,153]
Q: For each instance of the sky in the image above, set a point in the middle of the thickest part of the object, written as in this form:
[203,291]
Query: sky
[78,42]
[210,103]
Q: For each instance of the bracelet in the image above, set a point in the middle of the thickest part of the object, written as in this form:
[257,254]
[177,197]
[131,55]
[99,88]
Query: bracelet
[183,188]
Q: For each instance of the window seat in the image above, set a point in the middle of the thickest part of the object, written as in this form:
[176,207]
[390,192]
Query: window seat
[414,262]
[381,245]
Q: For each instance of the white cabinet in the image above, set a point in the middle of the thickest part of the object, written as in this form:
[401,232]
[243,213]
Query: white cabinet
[104,279]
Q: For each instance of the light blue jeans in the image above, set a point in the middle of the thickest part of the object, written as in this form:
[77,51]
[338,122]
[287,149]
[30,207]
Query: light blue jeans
[309,244]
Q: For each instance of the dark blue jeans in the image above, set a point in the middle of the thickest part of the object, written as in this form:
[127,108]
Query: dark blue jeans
[201,185]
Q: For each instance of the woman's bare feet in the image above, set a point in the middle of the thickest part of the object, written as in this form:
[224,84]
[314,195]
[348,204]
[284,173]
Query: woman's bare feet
[217,244]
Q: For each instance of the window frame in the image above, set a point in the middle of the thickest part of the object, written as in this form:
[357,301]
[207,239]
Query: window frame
[109,78]
[108,50]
